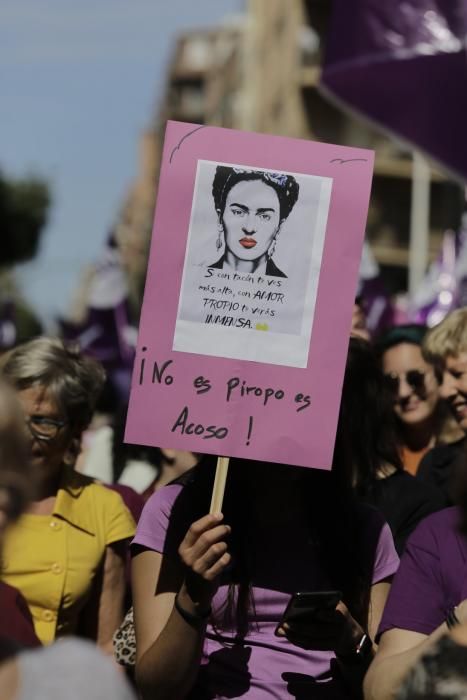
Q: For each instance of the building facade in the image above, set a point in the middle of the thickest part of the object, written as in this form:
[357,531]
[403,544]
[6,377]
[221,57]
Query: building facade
[261,72]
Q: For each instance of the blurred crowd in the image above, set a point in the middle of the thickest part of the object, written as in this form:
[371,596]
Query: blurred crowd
[117,582]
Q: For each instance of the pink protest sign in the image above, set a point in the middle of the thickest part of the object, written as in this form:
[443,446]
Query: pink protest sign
[250,286]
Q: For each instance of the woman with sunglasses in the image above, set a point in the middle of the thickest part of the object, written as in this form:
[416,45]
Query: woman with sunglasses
[368,451]
[422,418]
[66,554]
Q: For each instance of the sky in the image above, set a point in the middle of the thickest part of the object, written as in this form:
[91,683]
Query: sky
[81,79]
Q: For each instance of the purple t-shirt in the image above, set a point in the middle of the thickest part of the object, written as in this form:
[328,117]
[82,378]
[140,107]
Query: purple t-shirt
[432,576]
[263,666]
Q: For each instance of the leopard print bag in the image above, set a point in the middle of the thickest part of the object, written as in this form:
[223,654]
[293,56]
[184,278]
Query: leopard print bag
[124,641]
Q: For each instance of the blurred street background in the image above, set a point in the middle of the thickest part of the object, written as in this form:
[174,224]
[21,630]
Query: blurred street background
[86,91]
[81,81]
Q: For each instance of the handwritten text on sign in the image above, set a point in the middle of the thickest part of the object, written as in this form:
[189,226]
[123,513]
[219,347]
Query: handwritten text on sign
[234,388]
[225,296]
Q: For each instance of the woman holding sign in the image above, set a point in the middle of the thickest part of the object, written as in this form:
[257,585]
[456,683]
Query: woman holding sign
[210,591]
[251,206]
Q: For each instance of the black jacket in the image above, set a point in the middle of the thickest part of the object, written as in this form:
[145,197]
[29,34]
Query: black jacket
[439,467]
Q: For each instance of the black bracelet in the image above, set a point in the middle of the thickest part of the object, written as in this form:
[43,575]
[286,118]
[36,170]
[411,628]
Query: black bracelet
[451,619]
[193,620]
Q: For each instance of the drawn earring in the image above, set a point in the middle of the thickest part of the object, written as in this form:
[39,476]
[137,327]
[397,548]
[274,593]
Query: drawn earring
[219,236]
[271,249]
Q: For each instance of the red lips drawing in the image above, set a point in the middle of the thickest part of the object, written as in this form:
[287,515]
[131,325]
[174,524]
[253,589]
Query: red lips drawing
[247,242]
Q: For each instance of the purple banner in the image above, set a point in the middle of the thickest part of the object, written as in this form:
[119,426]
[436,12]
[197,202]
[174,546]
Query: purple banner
[403,65]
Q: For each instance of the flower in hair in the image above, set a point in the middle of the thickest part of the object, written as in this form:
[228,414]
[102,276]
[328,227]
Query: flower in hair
[278,178]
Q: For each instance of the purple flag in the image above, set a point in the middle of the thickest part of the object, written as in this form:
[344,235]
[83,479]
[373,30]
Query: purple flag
[438,293]
[372,294]
[403,65]
[107,333]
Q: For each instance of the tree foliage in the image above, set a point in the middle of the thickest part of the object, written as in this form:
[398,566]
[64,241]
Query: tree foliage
[24,206]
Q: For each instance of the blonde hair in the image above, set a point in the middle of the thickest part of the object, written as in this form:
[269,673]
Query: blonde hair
[448,338]
[72,380]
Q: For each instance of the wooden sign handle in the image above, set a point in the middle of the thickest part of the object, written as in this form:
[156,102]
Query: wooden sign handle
[219,484]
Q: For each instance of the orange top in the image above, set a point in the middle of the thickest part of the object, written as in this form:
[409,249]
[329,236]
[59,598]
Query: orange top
[411,458]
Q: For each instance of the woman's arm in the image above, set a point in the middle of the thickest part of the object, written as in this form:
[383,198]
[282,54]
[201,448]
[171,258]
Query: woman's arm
[168,650]
[378,596]
[103,611]
[112,594]
[353,666]
[398,651]
[169,642]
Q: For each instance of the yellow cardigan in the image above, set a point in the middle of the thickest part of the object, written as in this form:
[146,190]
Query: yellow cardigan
[53,559]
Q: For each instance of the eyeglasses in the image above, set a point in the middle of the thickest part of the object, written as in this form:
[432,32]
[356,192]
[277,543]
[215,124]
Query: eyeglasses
[43,428]
[415,378]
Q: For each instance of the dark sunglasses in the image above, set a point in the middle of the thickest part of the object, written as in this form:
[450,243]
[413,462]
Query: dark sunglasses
[43,428]
[415,378]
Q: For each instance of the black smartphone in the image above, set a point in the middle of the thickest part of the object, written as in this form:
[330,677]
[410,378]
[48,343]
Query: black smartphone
[305,604]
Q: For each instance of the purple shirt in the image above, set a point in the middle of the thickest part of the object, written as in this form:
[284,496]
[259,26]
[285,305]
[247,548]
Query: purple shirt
[264,666]
[432,576]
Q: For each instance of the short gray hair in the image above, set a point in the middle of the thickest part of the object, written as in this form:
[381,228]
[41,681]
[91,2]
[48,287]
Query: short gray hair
[71,379]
